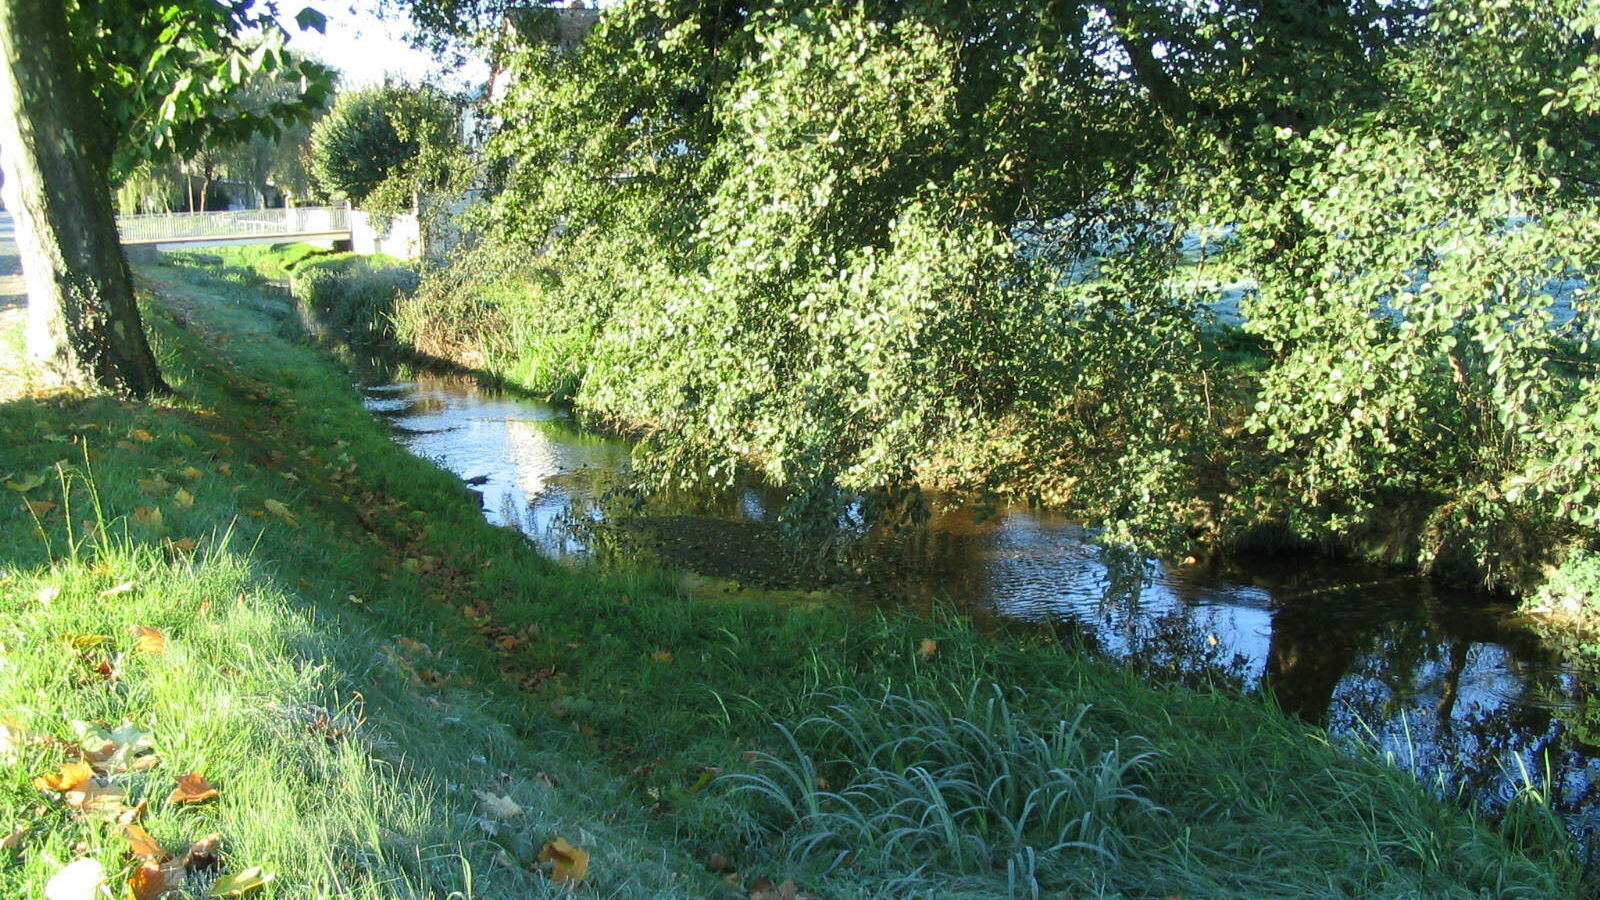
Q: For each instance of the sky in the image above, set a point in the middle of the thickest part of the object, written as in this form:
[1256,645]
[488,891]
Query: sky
[366,48]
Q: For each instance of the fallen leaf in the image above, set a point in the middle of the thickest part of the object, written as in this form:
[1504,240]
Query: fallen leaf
[84,879]
[147,639]
[718,863]
[143,846]
[762,889]
[149,515]
[87,641]
[571,864]
[115,751]
[927,648]
[154,486]
[48,594]
[139,434]
[11,737]
[191,474]
[240,882]
[91,796]
[26,483]
[281,511]
[185,546]
[13,840]
[69,777]
[152,879]
[497,806]
[135,812]
[122,588]
[662,656]
[192,788]
[40,508]
[224,469]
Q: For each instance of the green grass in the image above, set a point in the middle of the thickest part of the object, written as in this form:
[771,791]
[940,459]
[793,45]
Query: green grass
[613,707]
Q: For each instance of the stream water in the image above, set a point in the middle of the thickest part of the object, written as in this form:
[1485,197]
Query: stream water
[1448,683]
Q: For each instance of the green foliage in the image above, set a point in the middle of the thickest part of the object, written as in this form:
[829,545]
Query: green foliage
[870,245]
[379,147]
[353,293]
[167,77]
[1574,588]
[966,786]
[315,613]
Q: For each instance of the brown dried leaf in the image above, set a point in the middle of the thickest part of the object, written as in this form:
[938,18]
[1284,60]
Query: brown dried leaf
[152,879]
[143,846]
[192,788]
[570,864]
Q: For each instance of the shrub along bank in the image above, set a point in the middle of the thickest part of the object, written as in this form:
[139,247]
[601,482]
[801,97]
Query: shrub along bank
[867,245]
[391,698]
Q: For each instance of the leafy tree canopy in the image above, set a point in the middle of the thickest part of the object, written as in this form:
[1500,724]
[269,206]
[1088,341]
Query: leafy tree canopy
[168,74]
[377,147]
[871,244]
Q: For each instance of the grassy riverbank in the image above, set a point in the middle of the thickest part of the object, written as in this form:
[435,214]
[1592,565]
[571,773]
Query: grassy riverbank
[394,699]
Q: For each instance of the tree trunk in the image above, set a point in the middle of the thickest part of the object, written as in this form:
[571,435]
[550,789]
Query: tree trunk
[83,321]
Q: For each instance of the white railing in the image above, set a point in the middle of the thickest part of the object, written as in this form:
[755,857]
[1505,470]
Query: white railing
[158,227]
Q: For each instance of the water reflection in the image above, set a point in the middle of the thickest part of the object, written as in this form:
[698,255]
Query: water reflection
[1448,683]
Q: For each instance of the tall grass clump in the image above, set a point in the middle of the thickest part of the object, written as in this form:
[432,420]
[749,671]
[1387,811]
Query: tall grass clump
[355,294]
[965,787]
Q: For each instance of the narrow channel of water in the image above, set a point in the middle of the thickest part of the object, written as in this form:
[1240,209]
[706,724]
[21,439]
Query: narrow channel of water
[1447,682]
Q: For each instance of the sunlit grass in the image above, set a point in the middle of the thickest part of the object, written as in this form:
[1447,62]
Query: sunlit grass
[351,671]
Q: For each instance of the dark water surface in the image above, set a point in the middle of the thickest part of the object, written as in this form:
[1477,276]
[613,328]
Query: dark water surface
[1448,683]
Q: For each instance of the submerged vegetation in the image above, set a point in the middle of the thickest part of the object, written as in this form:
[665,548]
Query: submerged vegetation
[391,698]
[864,247]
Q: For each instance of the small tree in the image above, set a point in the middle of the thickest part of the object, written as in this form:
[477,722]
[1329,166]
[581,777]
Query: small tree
[378,147]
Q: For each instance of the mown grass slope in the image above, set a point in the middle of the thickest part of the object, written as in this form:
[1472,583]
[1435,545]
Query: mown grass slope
[395,699]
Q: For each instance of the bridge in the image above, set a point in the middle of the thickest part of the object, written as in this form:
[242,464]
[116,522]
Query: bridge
[234,226]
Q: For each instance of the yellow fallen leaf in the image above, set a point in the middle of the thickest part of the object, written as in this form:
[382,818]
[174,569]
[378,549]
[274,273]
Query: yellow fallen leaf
[662,656]
[281,511]
[186,546]
[40,508]
[571,864]
[927,648]
[154,486]
[13,840]
[498,806]
[192,788]
[139,434]
[185,440]
[69,777]
[191,474]
[183,498]
[149,515]
[239,882]
[147,639]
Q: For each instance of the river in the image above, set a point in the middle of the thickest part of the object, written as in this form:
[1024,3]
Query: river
[1448,683]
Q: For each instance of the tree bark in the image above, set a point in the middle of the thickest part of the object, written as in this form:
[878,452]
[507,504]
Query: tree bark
[83,320]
